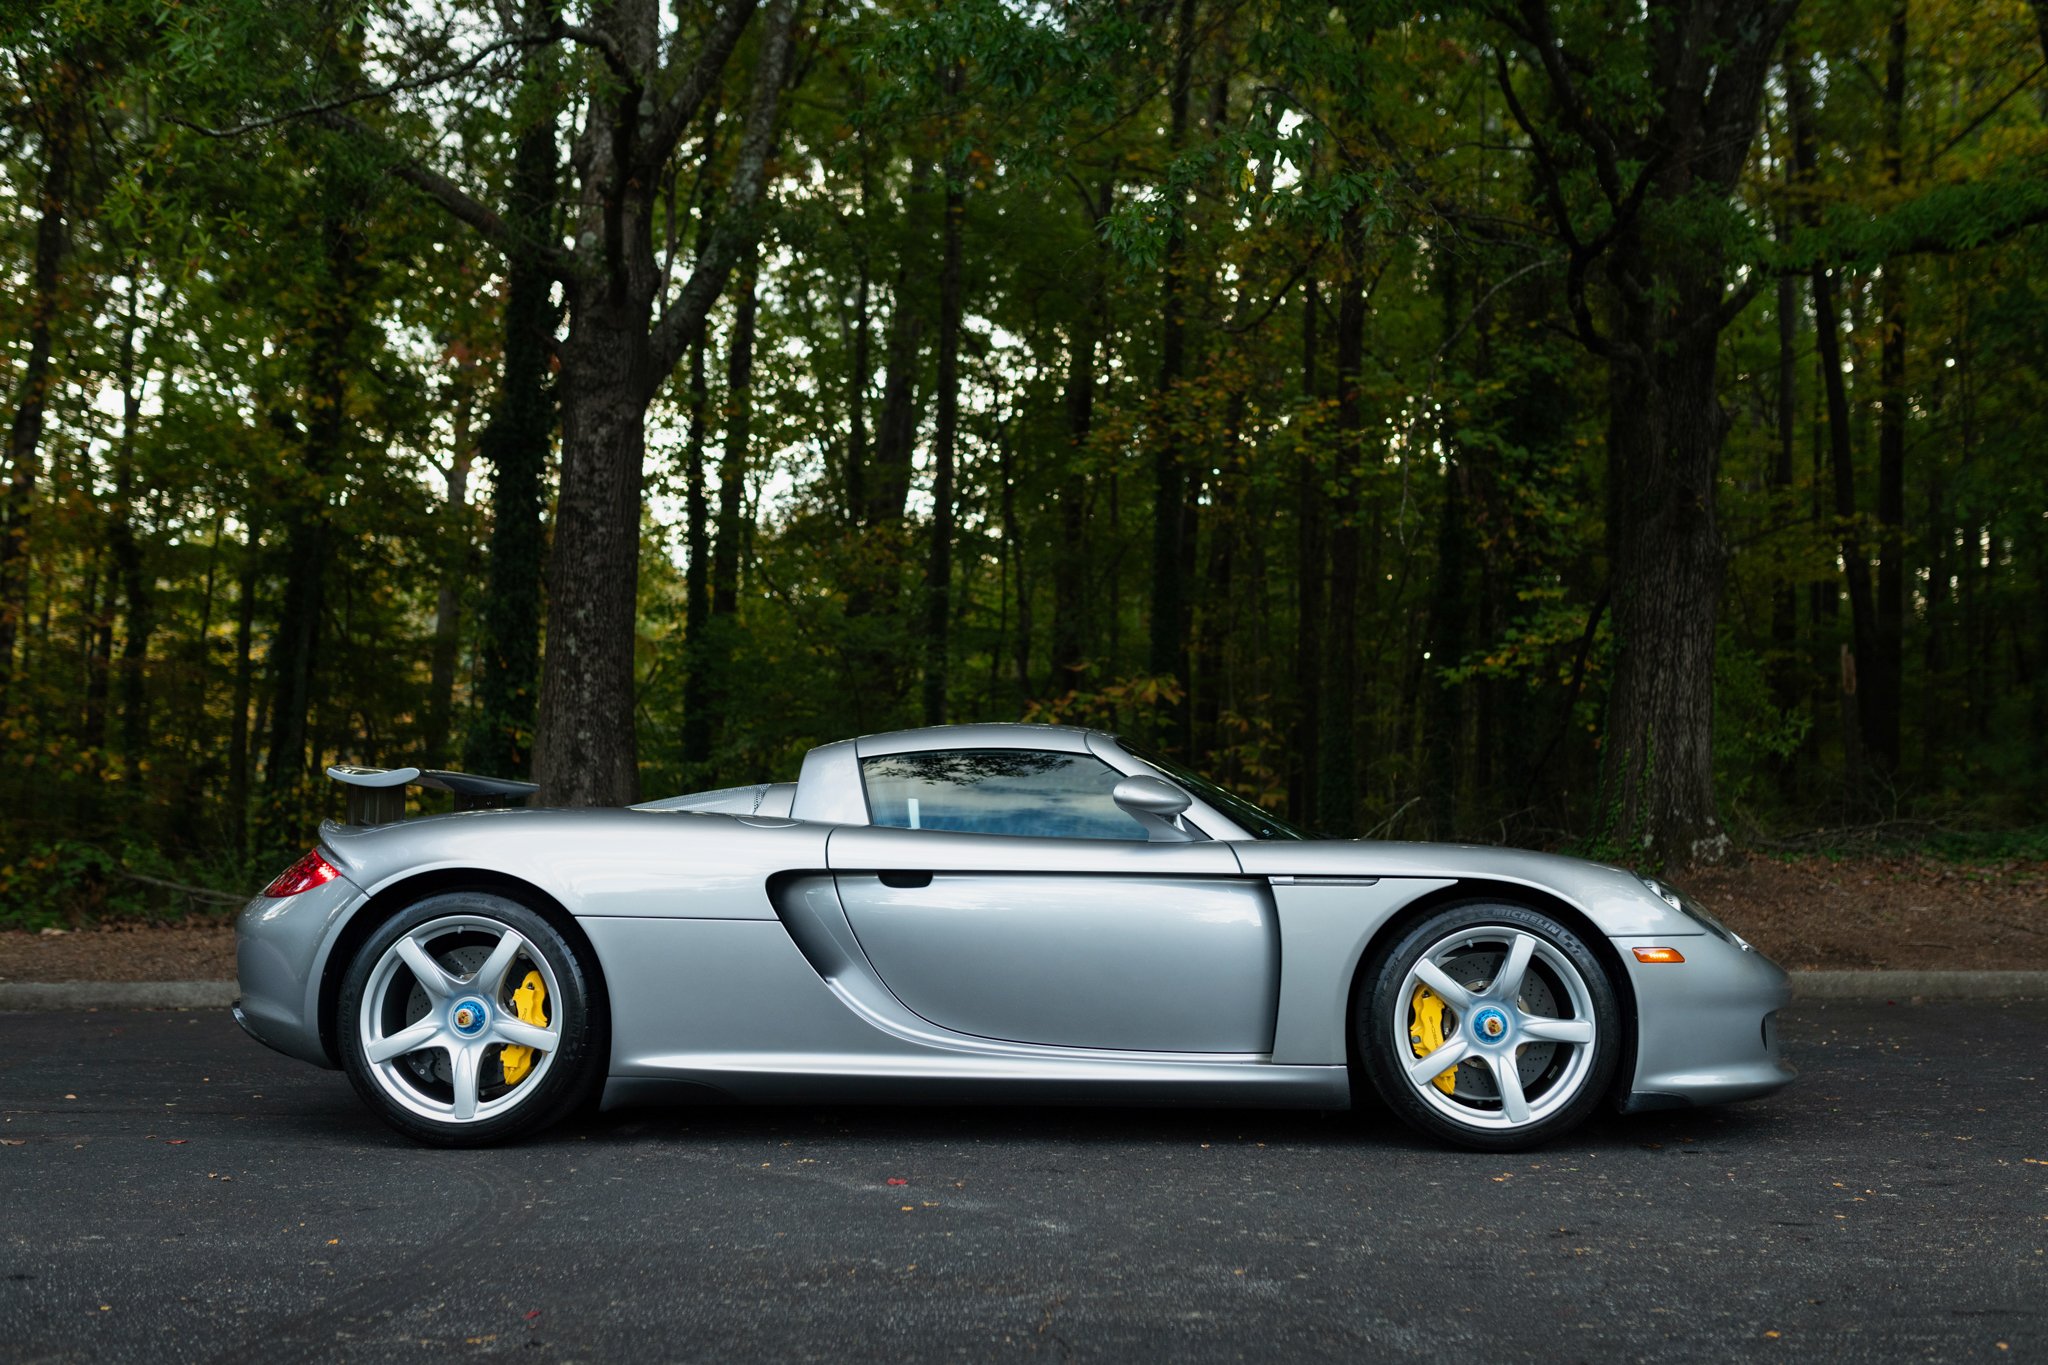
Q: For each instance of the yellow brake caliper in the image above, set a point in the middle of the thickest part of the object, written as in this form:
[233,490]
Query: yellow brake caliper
[1426,1012]
[528,1003]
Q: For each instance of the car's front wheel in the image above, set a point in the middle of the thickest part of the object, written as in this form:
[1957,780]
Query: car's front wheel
[1491,1026]
[468,1019]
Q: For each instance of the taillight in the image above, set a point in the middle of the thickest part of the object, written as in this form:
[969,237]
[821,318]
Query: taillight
[303,875]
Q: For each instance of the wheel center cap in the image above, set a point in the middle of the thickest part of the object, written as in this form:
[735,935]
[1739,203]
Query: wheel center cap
[468,1016]
[1490,1024]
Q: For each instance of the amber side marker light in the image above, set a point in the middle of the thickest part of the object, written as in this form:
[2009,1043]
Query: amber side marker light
[1657,955]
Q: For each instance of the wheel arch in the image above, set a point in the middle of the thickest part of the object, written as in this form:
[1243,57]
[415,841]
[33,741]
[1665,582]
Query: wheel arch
[391,899]
[1484,890]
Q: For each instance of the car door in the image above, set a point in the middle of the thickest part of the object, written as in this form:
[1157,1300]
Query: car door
[1002,894]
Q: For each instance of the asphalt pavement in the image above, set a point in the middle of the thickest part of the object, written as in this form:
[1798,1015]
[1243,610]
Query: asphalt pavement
[169,1191]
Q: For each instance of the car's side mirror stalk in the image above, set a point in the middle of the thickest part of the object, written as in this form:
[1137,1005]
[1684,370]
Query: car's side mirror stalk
[1157,805]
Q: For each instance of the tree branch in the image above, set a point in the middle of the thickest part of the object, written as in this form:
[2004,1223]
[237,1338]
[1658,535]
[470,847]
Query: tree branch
[679,108]
[1606,160]
[460,204]
[735,227]
[340,102]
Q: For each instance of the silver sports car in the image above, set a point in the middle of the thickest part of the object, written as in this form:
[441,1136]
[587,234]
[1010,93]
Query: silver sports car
[1023,913]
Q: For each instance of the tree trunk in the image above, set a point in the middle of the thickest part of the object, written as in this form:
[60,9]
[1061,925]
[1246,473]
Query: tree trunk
[1883,680]
[1166,656]
[31,394]
[1070,567]
[1309,500]
[613,364]
[137,593]
[584,751]
[1841,454]
[1337,801]
[875,575]
[97,641]
[238,722]
[330,343]
[711,664]
[1785,595]
[516,444]
[1665,427]
[938,575]
[455,552]
[1442,704]
[697,625]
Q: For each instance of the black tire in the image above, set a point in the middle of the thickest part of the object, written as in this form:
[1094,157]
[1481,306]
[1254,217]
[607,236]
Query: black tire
[1563,991]
[461,930]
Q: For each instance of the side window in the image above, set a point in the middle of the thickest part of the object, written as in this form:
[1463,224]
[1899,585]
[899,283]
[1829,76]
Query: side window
[998,791]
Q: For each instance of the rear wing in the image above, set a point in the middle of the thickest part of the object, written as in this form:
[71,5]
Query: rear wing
[376,796]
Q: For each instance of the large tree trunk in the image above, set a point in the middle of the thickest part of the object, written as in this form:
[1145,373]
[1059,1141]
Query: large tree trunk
[938,574]
[584,751]
[1166,656]
[1679,142]
[1665,427]
[613,364]
[31,394]
[516,444]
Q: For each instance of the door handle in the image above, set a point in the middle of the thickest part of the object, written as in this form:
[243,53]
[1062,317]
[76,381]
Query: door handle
[906,880]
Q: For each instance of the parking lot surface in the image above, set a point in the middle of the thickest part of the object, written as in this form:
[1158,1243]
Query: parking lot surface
[169,1190]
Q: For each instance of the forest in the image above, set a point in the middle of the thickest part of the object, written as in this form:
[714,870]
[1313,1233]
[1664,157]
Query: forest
[1607,427]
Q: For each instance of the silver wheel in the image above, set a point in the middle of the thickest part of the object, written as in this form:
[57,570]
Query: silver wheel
[1495,1028]
[460,1019]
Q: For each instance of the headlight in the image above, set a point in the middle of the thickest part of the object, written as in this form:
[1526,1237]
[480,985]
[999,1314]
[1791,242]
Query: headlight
[1692,909]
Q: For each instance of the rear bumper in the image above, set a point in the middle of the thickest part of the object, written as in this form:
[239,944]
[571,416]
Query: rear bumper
[280,956]
[1706,1029]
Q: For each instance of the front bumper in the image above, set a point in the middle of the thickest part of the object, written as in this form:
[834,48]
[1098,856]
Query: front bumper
[281,951]
[1706,1030]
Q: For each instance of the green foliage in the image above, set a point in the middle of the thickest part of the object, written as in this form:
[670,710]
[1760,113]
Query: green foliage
[1478,479]
[1754,736]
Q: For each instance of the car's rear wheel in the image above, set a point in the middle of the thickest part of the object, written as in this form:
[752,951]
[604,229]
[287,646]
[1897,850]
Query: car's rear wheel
[468,1019]
[1491,1026]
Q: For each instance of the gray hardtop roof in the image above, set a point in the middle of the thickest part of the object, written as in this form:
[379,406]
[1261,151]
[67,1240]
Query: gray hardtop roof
[1071,739]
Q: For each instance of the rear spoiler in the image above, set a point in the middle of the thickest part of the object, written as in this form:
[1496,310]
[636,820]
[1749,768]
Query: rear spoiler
[376,796]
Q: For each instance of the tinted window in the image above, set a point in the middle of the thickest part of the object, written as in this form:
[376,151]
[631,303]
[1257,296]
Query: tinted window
[998,791]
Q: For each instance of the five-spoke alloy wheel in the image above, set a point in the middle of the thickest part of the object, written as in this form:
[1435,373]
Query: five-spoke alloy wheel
[1492,1026]
[467,1019]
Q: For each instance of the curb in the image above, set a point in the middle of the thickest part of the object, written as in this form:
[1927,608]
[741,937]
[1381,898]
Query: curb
[1890,987]
[1807,987]
[117,995]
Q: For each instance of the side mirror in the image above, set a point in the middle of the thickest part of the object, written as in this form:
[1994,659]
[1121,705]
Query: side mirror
[1157,805]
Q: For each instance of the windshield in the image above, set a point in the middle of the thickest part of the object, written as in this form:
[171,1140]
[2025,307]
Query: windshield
[1259,823]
